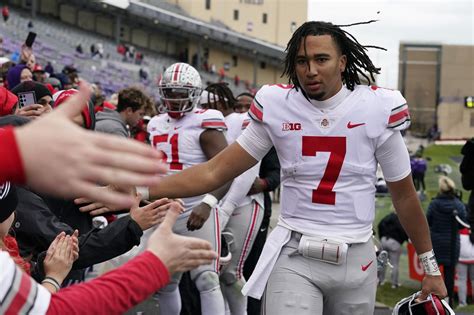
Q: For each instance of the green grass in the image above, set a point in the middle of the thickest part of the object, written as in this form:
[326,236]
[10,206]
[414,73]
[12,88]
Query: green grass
[438,154]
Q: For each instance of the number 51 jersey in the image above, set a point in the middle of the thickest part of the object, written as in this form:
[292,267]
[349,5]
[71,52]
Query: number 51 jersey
[327,158]
[178,140]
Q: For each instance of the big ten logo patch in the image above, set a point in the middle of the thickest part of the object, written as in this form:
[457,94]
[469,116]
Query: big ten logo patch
[290,126]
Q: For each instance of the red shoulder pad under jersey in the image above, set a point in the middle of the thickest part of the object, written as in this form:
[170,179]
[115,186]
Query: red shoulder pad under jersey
[211,119]
[246,122]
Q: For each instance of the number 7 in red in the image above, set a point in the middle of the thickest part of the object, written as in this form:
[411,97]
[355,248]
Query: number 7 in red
[324,193]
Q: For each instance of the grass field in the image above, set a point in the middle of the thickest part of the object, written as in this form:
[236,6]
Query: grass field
[436,154]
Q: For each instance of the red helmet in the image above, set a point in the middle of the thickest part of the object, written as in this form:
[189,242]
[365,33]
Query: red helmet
[431,306]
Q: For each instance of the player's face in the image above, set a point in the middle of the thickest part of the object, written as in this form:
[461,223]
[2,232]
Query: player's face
[175,97]
[319,65]
[243,104]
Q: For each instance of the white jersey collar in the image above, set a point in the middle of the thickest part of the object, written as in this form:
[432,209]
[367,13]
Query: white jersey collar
[333,101]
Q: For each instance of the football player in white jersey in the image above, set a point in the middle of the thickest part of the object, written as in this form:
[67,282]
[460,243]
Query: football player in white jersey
[329,133]
[188,136]
[240,215]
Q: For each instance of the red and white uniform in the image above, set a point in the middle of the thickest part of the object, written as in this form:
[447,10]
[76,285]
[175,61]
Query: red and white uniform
[237,195]
[328,158]
[178,139]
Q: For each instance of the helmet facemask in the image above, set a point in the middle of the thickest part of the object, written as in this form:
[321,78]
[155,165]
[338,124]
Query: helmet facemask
[179,99]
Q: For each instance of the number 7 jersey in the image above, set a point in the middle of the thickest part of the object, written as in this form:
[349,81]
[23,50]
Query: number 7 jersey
[179,140]
[327,158]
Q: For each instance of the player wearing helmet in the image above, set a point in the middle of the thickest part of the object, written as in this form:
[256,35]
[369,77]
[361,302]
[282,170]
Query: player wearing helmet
[188,136]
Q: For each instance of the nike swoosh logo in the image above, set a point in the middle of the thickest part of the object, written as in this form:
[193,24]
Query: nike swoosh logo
[176,128]
[364,268]
[350,126]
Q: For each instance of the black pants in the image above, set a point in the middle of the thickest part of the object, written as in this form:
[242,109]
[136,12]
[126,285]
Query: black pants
[449,282]
[254,305]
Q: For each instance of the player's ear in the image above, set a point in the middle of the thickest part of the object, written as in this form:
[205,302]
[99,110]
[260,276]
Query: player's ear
[342,63]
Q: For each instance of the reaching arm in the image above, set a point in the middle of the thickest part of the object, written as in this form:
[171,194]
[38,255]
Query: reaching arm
[226,165]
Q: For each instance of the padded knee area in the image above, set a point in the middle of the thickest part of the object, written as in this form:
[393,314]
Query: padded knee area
[171,287]
[228,278]
[206,281]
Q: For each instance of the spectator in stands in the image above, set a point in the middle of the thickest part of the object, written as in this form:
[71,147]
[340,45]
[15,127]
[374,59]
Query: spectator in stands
[43,99]
[17,74]
[138,58]
[440,220]
[49,68]
[66,83]
[100,49]
[236,80]
[31,62]
[392,236]
[79,49]
[130,109]
[39,75]
[221,74]
[30,24]
[5,13]
[143,74]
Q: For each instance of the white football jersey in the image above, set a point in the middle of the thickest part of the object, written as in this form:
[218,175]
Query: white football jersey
[178,140]
[236,124]
[327,158]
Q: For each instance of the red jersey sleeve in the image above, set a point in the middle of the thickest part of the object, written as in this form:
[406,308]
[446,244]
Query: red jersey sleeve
[11,165]
[115,292]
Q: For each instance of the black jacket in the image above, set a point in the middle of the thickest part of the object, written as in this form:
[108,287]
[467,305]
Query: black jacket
[270,171]
[467,177]
[440,219]
[391,227]
[36,226]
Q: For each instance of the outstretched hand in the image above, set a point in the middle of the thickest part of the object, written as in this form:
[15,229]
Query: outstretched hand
[153,213]
[61,159]
[60,256]
[179,253]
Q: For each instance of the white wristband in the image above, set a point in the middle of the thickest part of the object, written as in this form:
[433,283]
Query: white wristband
[210,200]
[144,191]
[428,260]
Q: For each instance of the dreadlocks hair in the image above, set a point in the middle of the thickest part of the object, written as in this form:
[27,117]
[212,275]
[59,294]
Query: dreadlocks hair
[221,92]
[246,94]
[358,62]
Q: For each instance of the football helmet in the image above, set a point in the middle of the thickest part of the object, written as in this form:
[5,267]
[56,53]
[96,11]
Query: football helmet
[180,89]
[431,306]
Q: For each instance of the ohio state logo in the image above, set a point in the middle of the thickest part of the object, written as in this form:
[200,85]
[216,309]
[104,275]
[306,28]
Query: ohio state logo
[290,126]
[324,123]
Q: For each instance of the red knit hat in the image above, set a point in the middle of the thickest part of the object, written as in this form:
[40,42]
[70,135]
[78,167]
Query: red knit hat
[8,101]
[87,113]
